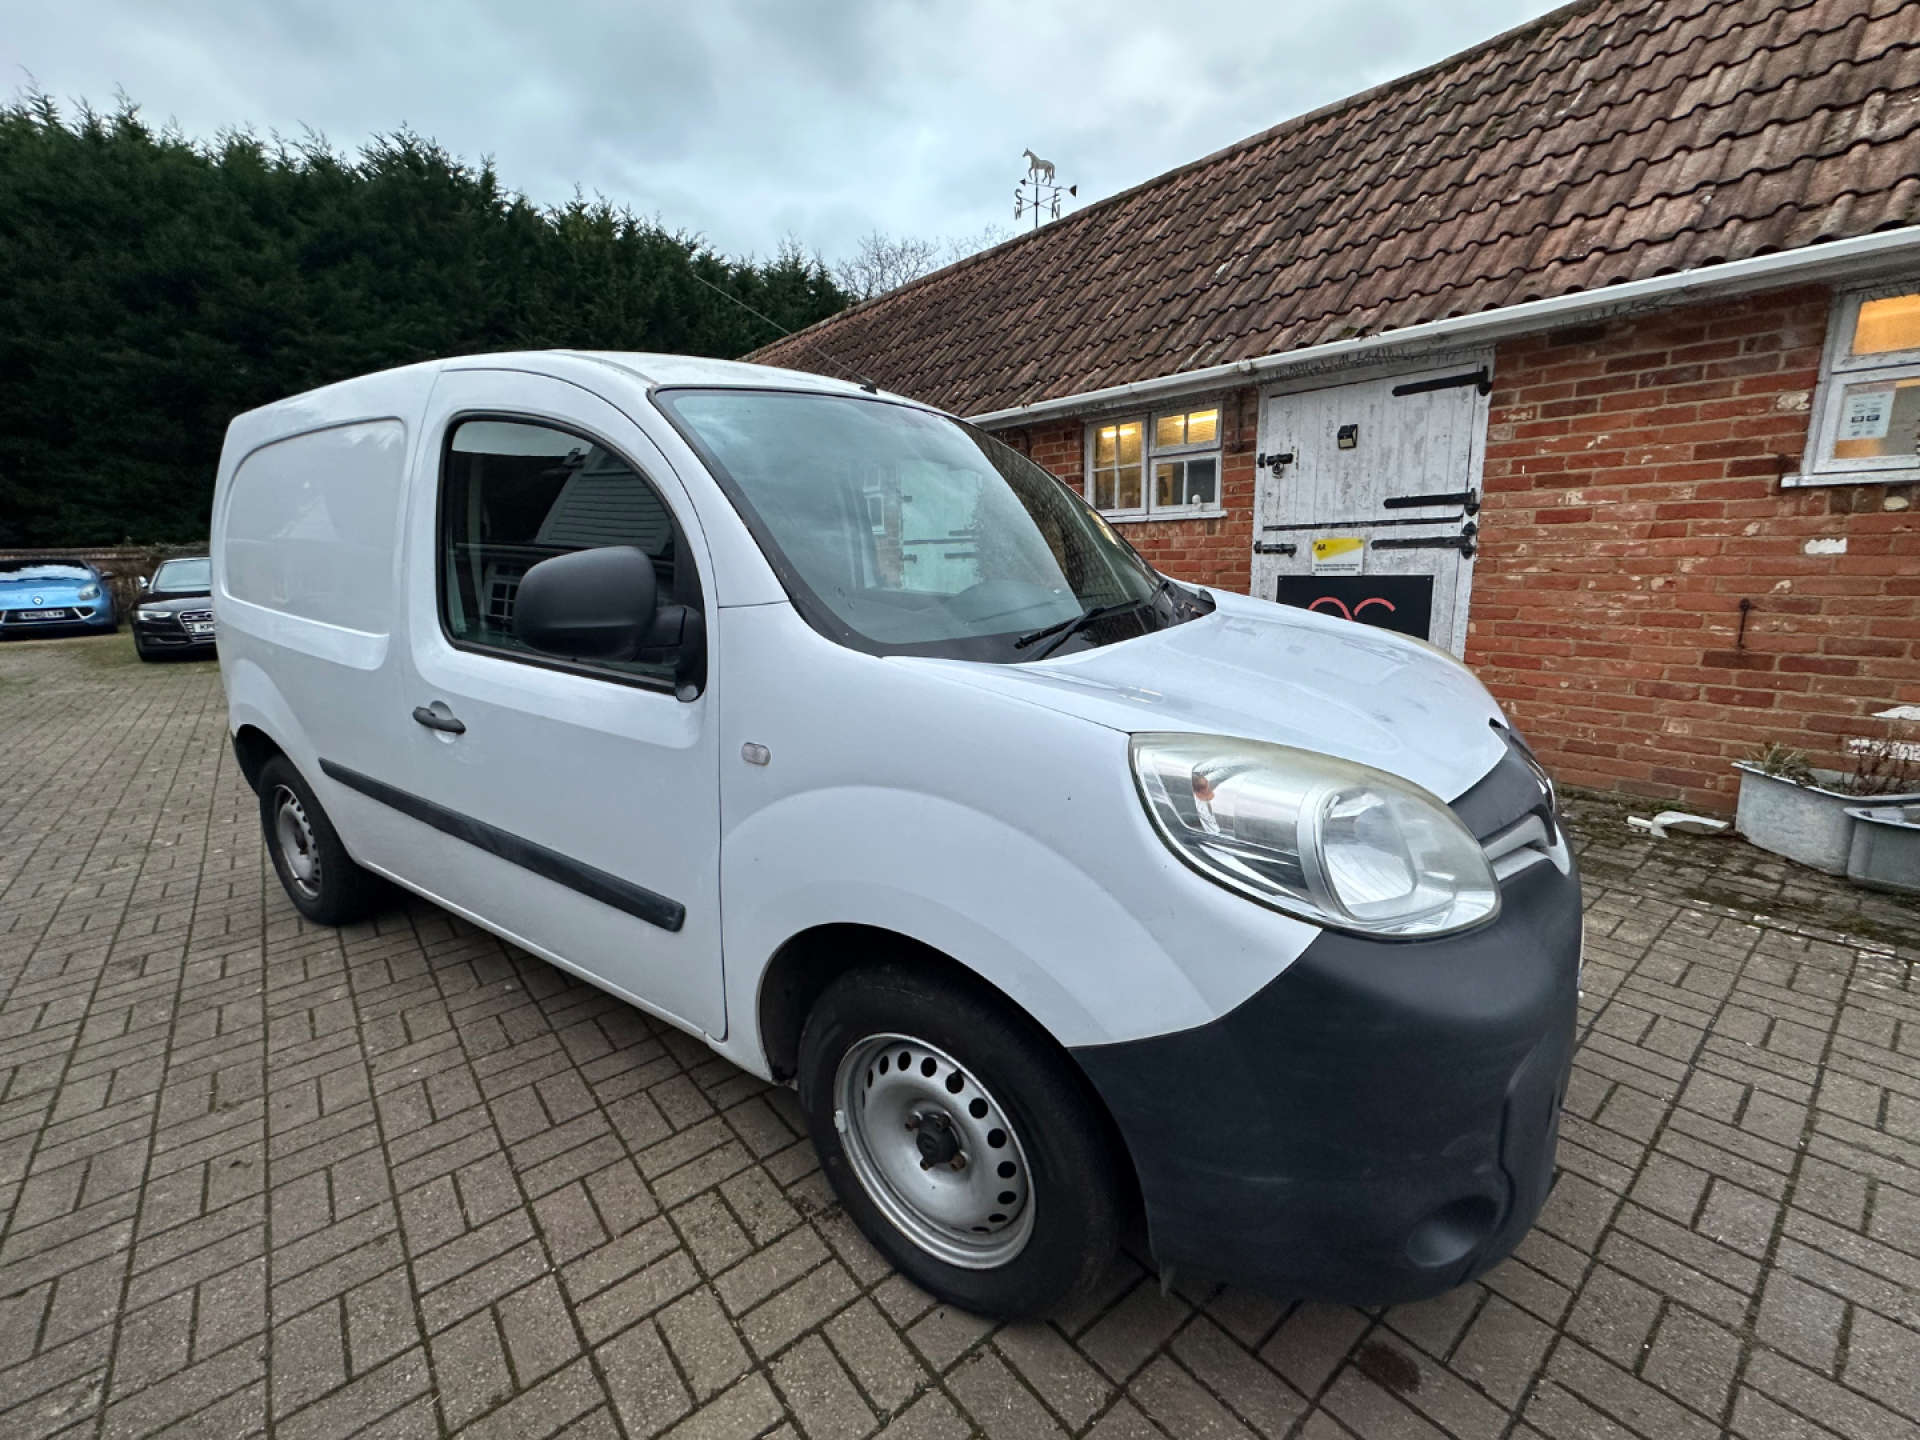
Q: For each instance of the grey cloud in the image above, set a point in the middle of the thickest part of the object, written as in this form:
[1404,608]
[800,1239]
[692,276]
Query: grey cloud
[751,120]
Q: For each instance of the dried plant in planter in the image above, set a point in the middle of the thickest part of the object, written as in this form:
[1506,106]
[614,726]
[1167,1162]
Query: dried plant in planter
[1881,767]
[1784,763]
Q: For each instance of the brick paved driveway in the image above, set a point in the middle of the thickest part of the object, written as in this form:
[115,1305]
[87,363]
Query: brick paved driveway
[400,1181]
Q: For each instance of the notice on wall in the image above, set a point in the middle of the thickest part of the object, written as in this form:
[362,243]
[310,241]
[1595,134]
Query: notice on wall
[1866,416]
[1339,555]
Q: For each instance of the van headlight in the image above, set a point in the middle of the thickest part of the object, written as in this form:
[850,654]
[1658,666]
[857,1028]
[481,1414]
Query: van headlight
[1328,841]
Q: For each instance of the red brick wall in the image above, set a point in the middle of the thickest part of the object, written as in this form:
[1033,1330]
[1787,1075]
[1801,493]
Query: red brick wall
[1632,501]
[1205,552]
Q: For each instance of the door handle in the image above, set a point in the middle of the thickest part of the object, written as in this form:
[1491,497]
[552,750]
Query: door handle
[438,717]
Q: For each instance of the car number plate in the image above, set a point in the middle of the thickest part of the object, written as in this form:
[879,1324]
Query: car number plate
[43,615]
[199,627]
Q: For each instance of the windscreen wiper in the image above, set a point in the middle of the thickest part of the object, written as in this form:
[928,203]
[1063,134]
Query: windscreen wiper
[1065,630]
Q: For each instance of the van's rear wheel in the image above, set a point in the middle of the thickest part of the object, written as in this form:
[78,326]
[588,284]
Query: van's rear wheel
[961,1139]
[314,867]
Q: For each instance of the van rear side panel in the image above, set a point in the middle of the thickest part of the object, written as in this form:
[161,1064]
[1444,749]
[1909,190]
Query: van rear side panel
[311,523]
[308,511]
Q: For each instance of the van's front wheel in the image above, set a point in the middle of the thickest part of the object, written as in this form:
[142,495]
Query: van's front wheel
[961,1139]
[314,867]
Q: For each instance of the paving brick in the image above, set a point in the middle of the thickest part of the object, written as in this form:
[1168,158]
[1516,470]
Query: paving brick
[1801,1321]
[1072,1388]
[880,1361]
[931,1417]
[746,1409]
[470,1369]
[1841,1410]
[646,1388]
[636,1297]
[820,1394]
[1253,1392]
[370,1397]
[1121,1340]
[1311,1342]
[1693,1360]
[711,1232]
[1615,1315]
[538,1330]
[997,1402]
[945,1333]
[802,1306]
[1883,1361]
[704,1342]
[1606,1387]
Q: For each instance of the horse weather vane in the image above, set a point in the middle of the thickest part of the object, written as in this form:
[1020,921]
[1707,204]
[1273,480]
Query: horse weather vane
[1037,191]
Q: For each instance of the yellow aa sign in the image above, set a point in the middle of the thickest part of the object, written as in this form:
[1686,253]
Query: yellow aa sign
[1338,555]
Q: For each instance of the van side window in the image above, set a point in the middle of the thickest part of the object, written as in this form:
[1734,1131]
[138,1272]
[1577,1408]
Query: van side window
[514,493]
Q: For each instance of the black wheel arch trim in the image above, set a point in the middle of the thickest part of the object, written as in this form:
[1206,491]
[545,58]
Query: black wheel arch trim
[595,884]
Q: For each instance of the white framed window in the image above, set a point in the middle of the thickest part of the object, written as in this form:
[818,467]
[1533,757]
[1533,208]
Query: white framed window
[1161,466]
[1866,412]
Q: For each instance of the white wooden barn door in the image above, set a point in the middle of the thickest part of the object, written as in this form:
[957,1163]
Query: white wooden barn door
[1368,496]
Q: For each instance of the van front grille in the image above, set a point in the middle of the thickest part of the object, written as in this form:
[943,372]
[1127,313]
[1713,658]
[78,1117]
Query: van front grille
[1524,844]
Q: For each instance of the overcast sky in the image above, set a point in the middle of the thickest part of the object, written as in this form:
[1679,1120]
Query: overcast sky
[750,121]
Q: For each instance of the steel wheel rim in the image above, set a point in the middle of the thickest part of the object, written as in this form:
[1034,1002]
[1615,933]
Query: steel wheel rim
[299,856]
[896,1121]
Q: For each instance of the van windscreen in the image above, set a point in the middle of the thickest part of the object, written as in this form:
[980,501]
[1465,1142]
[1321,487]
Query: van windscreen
[901,531]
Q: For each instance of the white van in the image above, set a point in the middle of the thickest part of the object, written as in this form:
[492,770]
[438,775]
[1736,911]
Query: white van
[841,735]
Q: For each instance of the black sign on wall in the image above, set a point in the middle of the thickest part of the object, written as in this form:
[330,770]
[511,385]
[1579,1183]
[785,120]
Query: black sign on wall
[1393,602]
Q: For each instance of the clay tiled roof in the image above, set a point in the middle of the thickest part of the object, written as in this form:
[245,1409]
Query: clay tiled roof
[1611,140]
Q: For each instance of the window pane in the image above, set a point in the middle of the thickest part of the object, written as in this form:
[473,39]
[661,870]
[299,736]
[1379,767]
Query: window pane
[1887,325]
[1169,430]
[1103,443]
[515,494]
[1103,489]
[1166,482]
[1878,418]
[1130,443]
[1203,427]
[1127,490]
[1203,482]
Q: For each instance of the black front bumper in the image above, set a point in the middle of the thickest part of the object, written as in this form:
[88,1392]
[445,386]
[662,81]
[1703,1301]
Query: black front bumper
[170,635]
[1377,1124]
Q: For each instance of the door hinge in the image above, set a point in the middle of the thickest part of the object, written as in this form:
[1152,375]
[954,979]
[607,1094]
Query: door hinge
[1480,379]
[1468,500]
[1463,542]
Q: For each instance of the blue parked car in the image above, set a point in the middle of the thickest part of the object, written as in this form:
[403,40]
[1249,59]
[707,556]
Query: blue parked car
[39,597]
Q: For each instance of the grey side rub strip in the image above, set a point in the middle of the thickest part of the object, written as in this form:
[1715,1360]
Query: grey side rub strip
[636,900]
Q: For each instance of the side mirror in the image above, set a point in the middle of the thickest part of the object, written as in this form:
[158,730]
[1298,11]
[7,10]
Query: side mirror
[142,582]
[588,605]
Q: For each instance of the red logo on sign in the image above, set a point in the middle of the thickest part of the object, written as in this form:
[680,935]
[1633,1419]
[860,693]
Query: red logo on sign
[1354,613]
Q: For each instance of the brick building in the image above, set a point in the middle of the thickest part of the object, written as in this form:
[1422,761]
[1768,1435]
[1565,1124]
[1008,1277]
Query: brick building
[1592,353]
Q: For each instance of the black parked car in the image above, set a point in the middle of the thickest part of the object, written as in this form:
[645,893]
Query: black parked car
[175,615]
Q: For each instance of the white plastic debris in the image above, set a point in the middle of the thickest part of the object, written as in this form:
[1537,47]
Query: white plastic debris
[1679,822]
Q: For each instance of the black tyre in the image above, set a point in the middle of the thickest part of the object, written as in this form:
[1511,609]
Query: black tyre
[961,1139]
[141,650]
[314,867]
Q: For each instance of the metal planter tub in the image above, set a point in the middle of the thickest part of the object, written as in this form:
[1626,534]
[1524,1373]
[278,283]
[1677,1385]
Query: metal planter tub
[1885,853]
[1807,823]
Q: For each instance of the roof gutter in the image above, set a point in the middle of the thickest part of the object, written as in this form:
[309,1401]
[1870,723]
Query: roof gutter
[1861,255]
